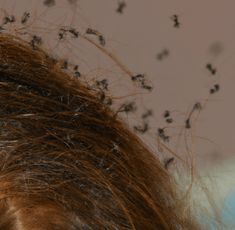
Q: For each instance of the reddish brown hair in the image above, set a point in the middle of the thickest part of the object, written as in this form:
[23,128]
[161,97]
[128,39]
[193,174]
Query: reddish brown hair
[67,162]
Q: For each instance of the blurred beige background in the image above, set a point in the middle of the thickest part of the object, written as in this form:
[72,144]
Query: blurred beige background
[145,28]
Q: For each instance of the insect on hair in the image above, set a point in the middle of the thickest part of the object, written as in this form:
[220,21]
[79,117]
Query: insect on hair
[70,160]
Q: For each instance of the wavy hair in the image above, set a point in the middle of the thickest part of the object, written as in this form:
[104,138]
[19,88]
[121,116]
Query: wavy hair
[67,161]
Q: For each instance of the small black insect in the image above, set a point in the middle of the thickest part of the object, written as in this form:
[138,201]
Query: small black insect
[103,84]
[121,6]
[175,19]
[138,77]
[168,162]
[65,65]
[9,19]
[127,108]
[98,34]
[102,40]
[162,135]
[108,101]
[61,33]
[187,123]
[212,91]
[104,99]
[166,113]
[211,69]
[215,89]
[74,32]
[36,41]
[147,114]
[142,129]
[49,3]
[77,74]
[169,120]
[148,87]
[163,54]
[25,17]
[144,86]
[160,131]
[141,79]
[197,106]
[92,31]
[75,68]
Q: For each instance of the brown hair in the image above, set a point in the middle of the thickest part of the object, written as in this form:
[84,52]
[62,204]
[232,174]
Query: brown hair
[67,162]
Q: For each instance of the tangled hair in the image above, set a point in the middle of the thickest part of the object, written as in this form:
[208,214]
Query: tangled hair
[67,162]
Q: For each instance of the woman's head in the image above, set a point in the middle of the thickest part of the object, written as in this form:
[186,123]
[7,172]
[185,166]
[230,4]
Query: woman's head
[67,160]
